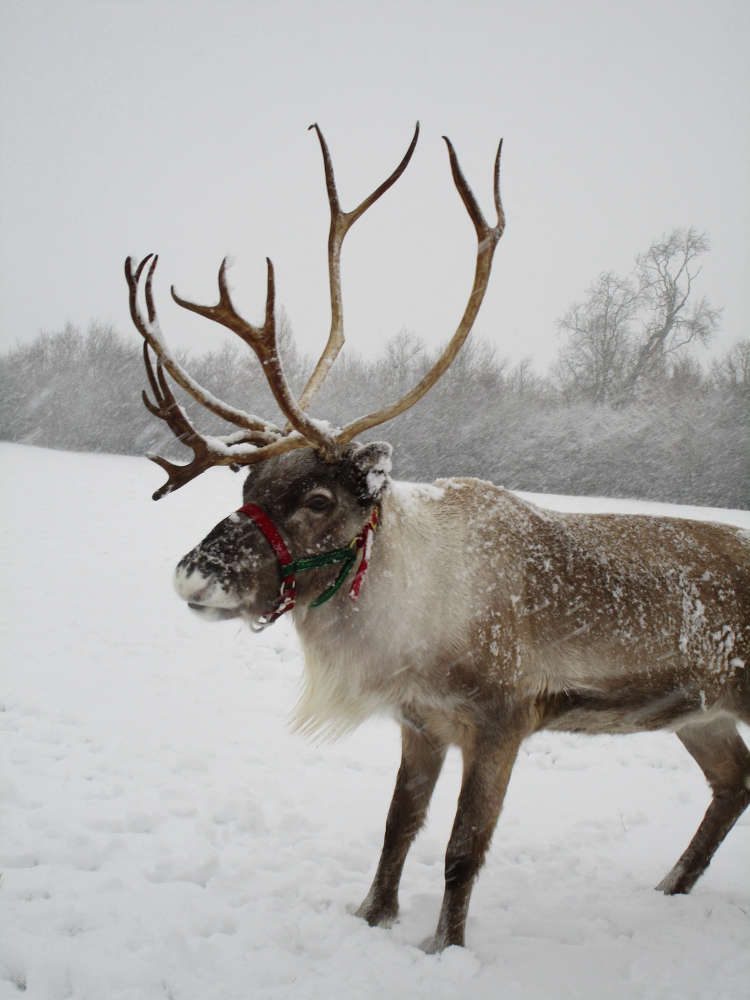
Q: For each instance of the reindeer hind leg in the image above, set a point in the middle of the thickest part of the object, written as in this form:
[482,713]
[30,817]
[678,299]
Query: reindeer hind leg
[725,760]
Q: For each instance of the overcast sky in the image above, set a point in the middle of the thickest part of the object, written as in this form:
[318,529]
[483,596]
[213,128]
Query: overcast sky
[180,127]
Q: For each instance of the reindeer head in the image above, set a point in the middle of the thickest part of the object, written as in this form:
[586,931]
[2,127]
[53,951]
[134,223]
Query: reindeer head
[319,499]
[300,519]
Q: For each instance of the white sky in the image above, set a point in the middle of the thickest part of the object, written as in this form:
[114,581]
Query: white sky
[181,127]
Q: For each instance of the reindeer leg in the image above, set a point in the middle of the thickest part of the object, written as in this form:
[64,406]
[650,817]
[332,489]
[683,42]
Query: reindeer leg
[421,762]
[725,761]
[487,767]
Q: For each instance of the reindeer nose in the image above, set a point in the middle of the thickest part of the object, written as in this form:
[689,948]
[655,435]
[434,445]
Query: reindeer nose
[190,583]
[196,588]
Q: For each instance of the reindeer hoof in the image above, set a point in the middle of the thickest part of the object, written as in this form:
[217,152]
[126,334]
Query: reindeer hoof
[437,943]
[677,882]
[377,915]
[431,946]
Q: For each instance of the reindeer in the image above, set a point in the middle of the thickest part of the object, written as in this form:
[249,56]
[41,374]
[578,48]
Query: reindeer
[471,616]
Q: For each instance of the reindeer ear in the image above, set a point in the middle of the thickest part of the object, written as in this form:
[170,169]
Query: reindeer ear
[370,466]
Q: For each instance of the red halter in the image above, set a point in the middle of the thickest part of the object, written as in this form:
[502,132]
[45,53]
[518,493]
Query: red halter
[288,593]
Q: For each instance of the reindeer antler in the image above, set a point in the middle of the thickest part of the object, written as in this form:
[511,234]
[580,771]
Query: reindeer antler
[487,239]
[258,439]
[341,223]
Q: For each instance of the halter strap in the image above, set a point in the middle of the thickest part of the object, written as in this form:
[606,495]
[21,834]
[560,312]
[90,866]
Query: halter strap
[269,529]
[288,593]
[348,556]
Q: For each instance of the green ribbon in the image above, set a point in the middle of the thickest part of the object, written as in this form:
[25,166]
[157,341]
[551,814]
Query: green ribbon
[347,556]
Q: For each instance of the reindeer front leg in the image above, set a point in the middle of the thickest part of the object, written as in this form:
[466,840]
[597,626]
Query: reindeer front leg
[487,767]
[421,762]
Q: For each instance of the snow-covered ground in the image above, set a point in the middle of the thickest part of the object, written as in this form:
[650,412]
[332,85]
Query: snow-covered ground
[163,835]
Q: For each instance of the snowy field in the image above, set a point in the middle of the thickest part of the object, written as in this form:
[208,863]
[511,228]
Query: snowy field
[163,835]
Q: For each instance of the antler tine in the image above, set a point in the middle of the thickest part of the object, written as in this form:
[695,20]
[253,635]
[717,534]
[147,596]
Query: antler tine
[168,409]
[262,339]
[341,223]
[149,329]
[243,448]
[487,239]
[467,195]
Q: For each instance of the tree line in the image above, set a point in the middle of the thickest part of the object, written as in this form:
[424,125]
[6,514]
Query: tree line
[625,410]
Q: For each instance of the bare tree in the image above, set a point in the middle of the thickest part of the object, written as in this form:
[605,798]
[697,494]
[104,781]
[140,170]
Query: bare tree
[666,276]
[600,345]
[628,329]
[523,381]
[733,370]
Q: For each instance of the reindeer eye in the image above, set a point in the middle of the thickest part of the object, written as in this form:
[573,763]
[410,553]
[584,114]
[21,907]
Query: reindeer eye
[319,502]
